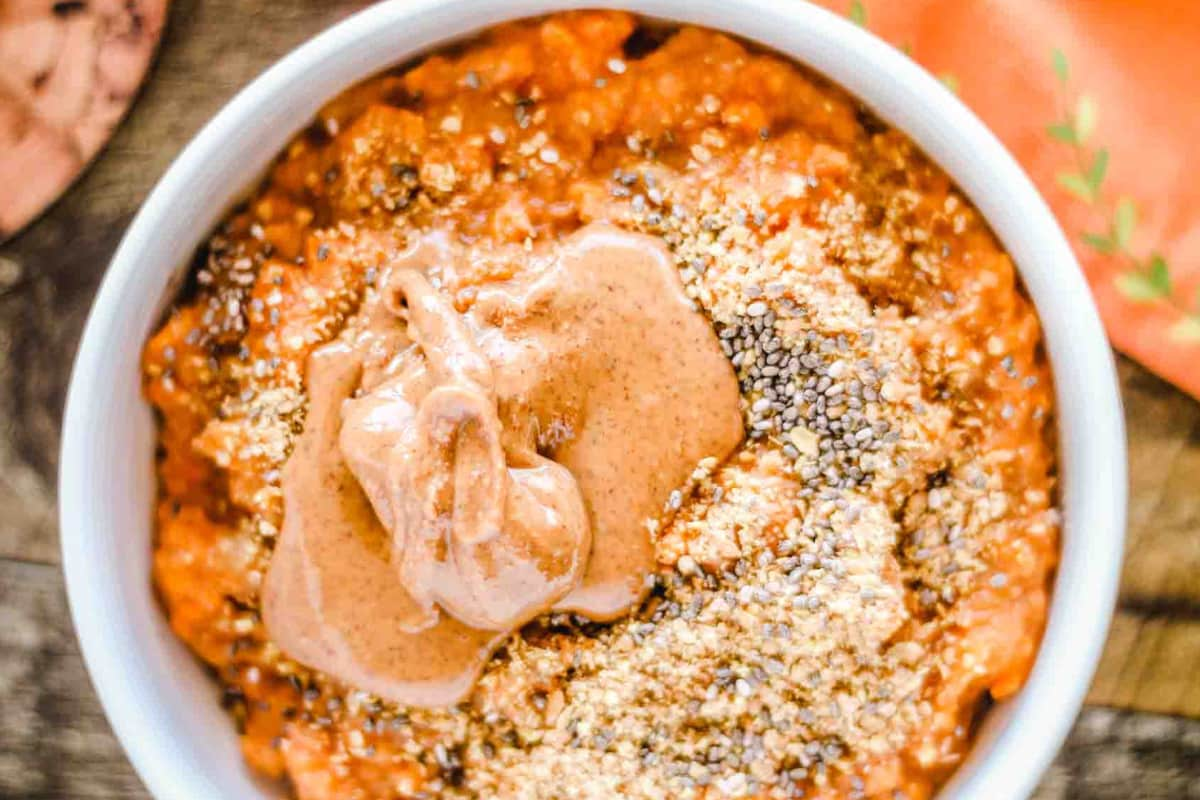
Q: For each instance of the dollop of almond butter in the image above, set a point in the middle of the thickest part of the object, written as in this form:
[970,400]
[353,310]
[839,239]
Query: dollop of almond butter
[428,514]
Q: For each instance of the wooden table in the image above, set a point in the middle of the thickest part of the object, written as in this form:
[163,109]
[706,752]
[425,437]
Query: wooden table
[1139,738]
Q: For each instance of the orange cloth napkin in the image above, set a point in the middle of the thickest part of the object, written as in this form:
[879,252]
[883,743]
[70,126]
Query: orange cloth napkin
[1100,102]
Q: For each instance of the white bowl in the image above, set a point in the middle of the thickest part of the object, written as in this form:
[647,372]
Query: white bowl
[159,700]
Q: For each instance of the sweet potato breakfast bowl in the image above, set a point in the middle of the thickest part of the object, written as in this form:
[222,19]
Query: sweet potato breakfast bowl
[593,256]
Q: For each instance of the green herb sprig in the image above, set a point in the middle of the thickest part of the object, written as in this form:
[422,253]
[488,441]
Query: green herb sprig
[858,13]
[1144,280]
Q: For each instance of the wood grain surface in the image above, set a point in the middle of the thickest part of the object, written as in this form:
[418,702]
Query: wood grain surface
[1153,654]
[54,741]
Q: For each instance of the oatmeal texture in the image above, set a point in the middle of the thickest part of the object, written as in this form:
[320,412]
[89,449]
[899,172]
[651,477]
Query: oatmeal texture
[834,605]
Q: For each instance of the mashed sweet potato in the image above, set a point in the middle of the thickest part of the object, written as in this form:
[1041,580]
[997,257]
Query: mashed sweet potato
[835,605]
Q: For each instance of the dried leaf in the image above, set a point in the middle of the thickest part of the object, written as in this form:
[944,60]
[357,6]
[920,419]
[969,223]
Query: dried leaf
[858,13]
[1124,221]
[1099,242]
[1061,68]
[1085,118]
[1186,330]
[1063,132]
[1096,172]
[1138,287]
[1160,274]
[1077,185]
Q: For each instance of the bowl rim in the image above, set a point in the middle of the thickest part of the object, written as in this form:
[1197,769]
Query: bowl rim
[1017,743]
